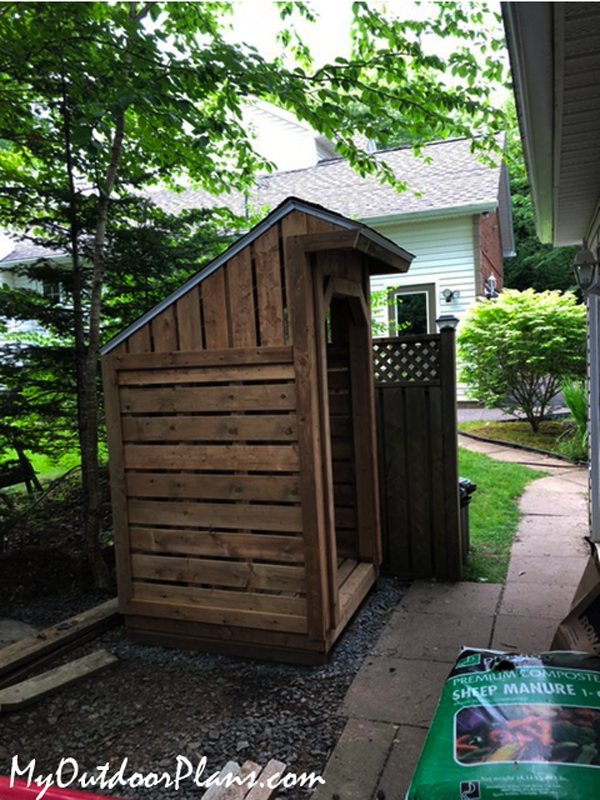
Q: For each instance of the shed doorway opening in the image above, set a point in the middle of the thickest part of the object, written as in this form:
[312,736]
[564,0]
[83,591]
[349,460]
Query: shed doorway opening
[353,536]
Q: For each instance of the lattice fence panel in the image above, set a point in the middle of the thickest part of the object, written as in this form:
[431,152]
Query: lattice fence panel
[407,360]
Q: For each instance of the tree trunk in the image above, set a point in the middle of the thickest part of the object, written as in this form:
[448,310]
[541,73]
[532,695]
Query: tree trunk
[87,413]
[89,443]
[87,355]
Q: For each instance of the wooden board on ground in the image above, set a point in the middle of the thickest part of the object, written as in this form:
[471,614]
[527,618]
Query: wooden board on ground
[260,790]
[62,637]
[30,691]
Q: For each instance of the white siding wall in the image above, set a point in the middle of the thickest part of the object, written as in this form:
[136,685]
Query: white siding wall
[288,143]
[16,281]
[444,256]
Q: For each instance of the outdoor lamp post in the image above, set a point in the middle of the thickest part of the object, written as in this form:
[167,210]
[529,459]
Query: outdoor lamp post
[584,267]
[447,322]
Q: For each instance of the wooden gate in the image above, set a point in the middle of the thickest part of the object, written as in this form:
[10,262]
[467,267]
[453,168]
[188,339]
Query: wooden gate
[415,379]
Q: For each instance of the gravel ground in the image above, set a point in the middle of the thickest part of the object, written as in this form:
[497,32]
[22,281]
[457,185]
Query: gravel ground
[157,704]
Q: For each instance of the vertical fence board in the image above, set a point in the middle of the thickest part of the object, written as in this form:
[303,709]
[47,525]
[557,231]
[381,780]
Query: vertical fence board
[394,480]
[239,274]
[164,331]
[268,287]
[418,455]
[293,224]
[418,488]
[118,488]
[300,299]
[139,341]
[216,313]
[326,445]
[188,321]
[437,479]
[450,442]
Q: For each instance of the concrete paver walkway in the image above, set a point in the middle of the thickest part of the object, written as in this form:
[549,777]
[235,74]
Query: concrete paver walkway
[393,698]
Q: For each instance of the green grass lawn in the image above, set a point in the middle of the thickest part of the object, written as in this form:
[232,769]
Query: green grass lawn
[46,468]
[552,437]
[493,512]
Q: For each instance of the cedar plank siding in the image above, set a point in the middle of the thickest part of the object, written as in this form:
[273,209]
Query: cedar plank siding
[216,418]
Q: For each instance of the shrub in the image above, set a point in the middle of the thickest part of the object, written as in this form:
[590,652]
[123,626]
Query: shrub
[574,444]
[517,350]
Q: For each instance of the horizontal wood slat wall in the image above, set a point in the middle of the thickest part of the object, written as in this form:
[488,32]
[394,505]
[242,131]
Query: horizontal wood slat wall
[233,479]
[210,460]
[418,463]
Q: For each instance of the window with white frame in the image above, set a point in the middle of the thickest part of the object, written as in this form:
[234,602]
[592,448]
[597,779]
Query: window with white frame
[412,310]
[53,291]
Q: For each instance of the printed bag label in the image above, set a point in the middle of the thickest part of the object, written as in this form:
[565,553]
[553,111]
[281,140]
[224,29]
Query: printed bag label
[512,727]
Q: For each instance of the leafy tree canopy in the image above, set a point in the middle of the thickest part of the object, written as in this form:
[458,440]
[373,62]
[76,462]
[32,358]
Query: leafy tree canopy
[517,350]
[99,100]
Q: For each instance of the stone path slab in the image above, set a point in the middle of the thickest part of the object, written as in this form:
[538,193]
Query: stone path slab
[535,600]
[401,763]
[549,505]
[394,696]
[545,569]
[539,537]
[396,690]
[564,484]
[479,447]
[523,634]
[451,598]
[438,637]
[357,761]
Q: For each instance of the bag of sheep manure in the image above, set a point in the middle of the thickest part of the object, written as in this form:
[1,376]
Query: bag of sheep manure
[514,727]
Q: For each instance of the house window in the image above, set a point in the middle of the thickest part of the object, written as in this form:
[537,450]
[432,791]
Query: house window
[412,310]
[53,291]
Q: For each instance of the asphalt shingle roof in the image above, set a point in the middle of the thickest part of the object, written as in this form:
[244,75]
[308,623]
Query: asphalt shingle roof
[450,179]
[453,178]
[27,251]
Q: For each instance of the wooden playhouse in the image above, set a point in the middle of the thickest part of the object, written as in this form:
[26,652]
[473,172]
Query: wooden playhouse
[240,415]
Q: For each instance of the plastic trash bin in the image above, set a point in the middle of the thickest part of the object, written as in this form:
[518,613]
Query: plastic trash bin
[466,488]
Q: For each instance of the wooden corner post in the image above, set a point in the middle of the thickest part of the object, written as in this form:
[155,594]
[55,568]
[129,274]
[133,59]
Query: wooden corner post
[118,492]
[450,453]
[302,315]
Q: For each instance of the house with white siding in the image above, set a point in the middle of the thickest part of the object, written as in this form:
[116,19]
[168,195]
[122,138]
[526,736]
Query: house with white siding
[554,53]
[284,139]
[455,216]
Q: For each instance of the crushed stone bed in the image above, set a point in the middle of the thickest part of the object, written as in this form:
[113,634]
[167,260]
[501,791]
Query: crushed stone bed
[158,704]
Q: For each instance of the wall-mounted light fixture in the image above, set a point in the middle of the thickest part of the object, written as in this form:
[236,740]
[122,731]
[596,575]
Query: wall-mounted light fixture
[450,294]
[489,287]
[584,267]
[446,322]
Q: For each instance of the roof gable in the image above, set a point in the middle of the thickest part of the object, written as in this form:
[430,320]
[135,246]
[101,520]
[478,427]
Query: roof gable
[375,244]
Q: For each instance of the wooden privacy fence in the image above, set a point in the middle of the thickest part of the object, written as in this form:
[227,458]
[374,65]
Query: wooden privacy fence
[418,455]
